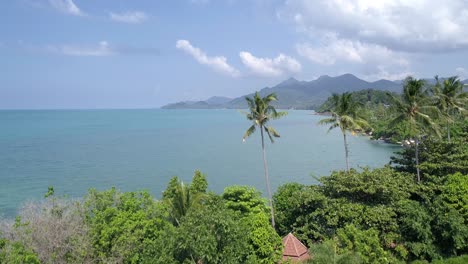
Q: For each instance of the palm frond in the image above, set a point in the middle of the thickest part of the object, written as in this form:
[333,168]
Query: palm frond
[249,132]
[273,131]
[269,135]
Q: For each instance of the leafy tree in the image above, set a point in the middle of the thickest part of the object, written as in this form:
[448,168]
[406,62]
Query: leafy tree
[125,226]
[171,188]
[260,113]
[415,227]
[288,204]
[199,183]
[264,242]
[244,199]
[211,234]
[450,99]
[437,159]
[345,115]
[414,111]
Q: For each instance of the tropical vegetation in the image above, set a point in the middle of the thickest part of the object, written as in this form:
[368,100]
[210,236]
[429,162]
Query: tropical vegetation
[345,115]
[383,215]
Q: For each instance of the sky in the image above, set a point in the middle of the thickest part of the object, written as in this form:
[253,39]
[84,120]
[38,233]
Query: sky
[57,54]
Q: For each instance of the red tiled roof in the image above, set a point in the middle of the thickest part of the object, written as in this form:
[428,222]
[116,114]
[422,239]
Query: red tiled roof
[294,249]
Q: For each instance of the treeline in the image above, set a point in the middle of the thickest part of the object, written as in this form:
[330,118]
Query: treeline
[371,216]
[444,102]
[188,225]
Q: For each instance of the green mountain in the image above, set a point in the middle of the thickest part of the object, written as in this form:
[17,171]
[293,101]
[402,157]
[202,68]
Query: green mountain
[299,94]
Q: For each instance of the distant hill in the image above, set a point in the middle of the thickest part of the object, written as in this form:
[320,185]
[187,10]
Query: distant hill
[297,94]
[214,102]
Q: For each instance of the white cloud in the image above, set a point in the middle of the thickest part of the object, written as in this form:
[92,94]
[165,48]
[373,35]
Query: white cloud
[102,49]
[131,17]
[333,49]
[67,7]
[412,25]
[270,67]
[383,72]
[462,73]
[218,63]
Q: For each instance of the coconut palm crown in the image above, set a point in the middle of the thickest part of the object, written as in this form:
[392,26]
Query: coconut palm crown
[416,111]
[260,113]
[450,99]
[345,115]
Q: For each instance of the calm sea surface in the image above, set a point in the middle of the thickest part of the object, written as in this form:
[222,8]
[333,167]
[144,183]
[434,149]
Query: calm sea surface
[75,150]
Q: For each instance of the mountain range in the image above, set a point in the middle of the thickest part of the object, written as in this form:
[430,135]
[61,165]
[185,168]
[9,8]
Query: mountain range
[294,94]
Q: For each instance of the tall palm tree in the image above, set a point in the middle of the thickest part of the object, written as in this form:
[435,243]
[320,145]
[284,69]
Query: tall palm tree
[345,115]
[415,111]
[450,99]
[260,113]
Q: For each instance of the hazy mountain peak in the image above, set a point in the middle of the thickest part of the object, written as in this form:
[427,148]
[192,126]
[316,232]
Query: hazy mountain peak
[289,81]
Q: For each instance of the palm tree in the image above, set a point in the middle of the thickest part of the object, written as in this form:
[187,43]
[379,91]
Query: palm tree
[260,113]
[414,110]
[183,199]
[345,115]
[450,99]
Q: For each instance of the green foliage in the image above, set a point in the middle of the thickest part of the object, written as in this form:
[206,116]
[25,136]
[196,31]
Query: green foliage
[179,197]
[345,114]
[219,238]
[415,228]
[171,188]
[199,183]
[125,226]
[261,112]
[265,243]
[365,243]
[369,97]
[50,192]
[16,253]
[437,159]
[328,252]
[379,186]
[455,193]
[244,199]
[455,260]
[288,207]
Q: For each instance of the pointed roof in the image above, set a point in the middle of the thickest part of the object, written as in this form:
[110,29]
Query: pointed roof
[294,249]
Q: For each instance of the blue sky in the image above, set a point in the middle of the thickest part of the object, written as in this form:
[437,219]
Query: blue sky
[145,53]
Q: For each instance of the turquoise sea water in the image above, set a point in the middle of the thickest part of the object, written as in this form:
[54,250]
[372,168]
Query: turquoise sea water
[75,150]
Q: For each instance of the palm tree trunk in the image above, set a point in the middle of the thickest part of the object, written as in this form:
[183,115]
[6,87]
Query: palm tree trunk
[448,130]
[417,159]
[267,180]
[346,150]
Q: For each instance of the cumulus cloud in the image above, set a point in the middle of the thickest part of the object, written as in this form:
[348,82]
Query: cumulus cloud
[270,67]
[218,63]
[102,49]
[334,49]
[67,7]
[131,17]
[422,25]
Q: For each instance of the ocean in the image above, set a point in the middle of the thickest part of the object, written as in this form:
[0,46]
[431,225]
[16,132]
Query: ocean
[75,150]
